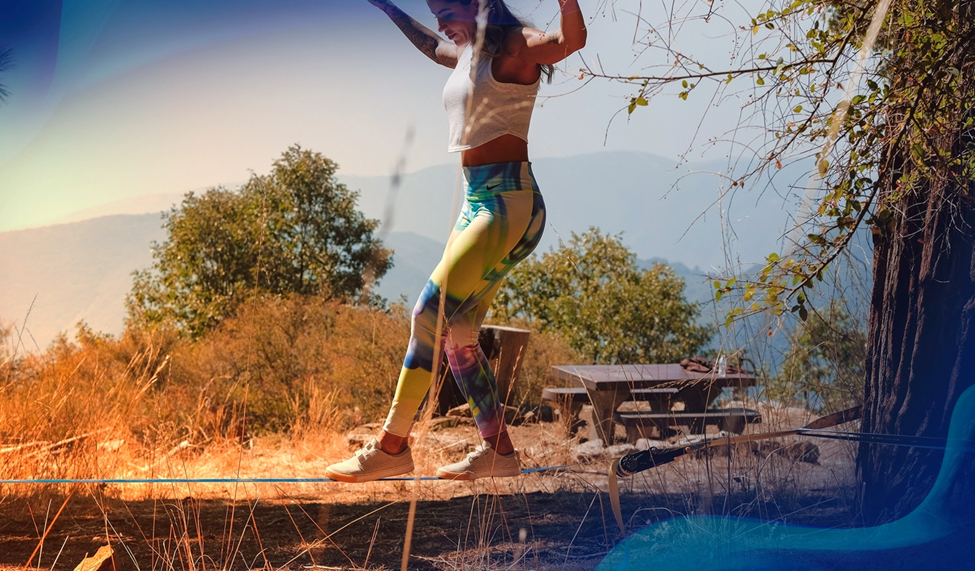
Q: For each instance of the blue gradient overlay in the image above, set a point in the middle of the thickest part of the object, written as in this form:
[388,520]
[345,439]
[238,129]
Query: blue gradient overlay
[938,534]
[64,46]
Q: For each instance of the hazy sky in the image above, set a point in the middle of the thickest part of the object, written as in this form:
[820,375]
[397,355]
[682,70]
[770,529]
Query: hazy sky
[112,99]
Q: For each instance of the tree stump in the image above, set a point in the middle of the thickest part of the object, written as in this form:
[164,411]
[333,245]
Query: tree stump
[504,347]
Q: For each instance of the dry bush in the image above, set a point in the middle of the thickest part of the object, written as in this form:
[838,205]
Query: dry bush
[65,413]
[100,405]
[296,364]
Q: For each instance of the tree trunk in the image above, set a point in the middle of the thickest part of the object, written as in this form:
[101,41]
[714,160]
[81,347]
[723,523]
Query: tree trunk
[921,345]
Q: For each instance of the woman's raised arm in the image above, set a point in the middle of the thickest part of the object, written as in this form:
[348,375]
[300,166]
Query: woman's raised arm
[425,39]
[548,48]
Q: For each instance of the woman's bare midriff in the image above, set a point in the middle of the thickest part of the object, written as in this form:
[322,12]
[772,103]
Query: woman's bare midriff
[504,149]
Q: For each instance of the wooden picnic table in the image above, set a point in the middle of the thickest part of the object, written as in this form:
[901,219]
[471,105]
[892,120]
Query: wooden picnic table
[608,386]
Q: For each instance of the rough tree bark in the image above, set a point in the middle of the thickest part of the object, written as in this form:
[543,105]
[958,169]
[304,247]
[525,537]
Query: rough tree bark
[921,339]
[921,345]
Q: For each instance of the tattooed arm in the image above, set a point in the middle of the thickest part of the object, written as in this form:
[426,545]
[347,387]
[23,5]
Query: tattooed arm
[425,40]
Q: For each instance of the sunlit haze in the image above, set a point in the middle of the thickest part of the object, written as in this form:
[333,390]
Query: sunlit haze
[112,100]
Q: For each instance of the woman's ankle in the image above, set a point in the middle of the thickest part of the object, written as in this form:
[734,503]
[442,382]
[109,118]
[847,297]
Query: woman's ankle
[501,443]
[391,443]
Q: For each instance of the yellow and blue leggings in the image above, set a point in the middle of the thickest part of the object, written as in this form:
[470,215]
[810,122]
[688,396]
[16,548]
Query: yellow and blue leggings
[500,224]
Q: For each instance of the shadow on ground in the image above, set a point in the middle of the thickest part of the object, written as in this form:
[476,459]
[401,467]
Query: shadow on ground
[571,530]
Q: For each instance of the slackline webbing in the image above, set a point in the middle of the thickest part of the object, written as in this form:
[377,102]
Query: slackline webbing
[237,480]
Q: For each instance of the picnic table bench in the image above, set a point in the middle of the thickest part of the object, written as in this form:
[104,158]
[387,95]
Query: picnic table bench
[676,396]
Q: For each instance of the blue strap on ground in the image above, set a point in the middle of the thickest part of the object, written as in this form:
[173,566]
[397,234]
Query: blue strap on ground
[191,480]
[235,480]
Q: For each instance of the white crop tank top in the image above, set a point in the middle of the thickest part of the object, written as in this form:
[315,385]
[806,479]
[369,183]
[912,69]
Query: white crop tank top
[496,108]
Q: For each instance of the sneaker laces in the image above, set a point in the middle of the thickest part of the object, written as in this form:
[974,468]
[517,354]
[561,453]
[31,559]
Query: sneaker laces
[368,450]
[478,451]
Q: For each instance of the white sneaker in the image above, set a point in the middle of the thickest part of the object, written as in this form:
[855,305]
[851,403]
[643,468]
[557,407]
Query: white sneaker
[371,463]
[483,462]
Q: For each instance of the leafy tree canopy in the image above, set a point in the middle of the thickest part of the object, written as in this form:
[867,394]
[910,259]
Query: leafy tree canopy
[878,93]
[609,309]
[293,231]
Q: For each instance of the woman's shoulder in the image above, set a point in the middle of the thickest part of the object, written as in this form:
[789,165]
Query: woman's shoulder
[512,42]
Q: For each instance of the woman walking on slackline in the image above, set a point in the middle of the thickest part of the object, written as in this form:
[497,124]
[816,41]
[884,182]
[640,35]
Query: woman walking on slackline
[489,99]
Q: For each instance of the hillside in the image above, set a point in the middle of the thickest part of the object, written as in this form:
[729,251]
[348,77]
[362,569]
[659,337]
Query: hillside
[633,193]
[82,270]
[663,210]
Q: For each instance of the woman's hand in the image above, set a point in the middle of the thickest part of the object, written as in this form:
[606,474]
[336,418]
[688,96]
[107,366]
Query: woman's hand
[425,39]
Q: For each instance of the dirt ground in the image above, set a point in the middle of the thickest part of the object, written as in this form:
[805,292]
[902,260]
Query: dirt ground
[544,520]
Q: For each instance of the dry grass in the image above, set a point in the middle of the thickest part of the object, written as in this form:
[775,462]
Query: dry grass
[271,394]
[293,374]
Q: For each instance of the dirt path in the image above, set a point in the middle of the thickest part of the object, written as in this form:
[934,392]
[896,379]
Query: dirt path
[548,520]
[538,530]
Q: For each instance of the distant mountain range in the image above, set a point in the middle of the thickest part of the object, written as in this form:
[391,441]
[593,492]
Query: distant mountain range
[81,270]
[53,277]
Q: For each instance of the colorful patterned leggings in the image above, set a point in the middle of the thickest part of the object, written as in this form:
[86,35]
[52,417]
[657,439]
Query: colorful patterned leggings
[500,224]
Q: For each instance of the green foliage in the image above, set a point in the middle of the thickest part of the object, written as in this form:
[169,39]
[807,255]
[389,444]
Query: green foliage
[609,309]
[824,367]
[896,128]
[293,231]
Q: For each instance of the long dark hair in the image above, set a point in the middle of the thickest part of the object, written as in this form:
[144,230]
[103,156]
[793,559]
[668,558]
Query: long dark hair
[500,21]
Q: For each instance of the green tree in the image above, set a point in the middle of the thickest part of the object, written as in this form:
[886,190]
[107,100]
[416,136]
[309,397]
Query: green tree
[293,231]
[608,308]
[824,365]
[896,153]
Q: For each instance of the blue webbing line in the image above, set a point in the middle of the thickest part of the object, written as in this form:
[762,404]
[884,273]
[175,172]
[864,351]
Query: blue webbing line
[235,480]
[192,480]
[547,468]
